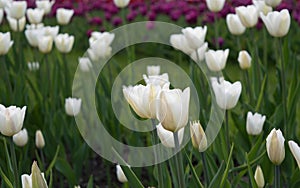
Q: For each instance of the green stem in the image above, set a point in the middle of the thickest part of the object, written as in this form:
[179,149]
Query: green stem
[179,162]
[227,131]
[277,176]
[206,176]
[67,76]
[248,86]
[14,164]
[216,30]
[7,78]
[257,77]
[8,160]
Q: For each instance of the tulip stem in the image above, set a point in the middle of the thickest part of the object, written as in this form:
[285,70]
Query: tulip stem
[227,131]
[206,177]
[277,176]
[14,164]
[249,87]
[7,78]
[179,162]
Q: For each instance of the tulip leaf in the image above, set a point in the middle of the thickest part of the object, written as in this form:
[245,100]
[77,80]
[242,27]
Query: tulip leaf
[64,167]
[227,167]
[5,179]
[250,172]
[91,182]
[53,161]
[193,171]
[217,178]
[261,94]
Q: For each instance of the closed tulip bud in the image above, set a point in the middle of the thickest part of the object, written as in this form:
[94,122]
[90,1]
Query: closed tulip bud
[11,119]
[21,138]
[45,5]
[77,186]
[64,43]
[159,80]
[85,64]
[244,59]
[172,108]
[179,42]
[120,174]
[248,15]
[262,7]
[35,16]
[16,9]
[167,137]
[105,36]
[5,43]
[275,146]
[35,179]
[99,49]
[33,66]
[198,136]
[195,37]
[273,3]
[254,123]
[39,139]
[234,24]
[259,177]
[45,44]
[216,60]
[215,5]
[277,23]
[295,149]
[1,15]
[153,70]
[121,3]
[33,36]
[16,25]
[72,106]
[227,94]
[63,16]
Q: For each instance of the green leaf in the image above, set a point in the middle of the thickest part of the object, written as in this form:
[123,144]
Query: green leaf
[64,167]
[217,178]
[5,179]
[90,183]
[53,161]
[227,167]
[193,171]
[261,94]
[250,172]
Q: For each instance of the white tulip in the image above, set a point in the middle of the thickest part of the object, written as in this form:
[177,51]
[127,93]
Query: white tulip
[153,70]
[99,49]
[199,54]
[198,136]
[5,43]
[64,43]
[16,9]
[179,42]
[160,80]
[273,3]
[295,149]
[85,64]
[39,139]
[72,106]
[254,123]
[1,15]
[16,25]
[172,108]
[259,177]
[105,36]
[244,59]
[234,24]
[45,5]
[63,16]
[33,66]
[21,138]
[121,3]
[167,137]
[35,16]
[35,178]
[248,15]
[215,5]
[33,36]
[45,44]
[4,3]
[216,60]
[262,7]
[275,146]
[51,31]
[227,94]
[120,174]
[195,37]
[277,23]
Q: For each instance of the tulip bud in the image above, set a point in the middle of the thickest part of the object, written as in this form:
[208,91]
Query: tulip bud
[33,66]
[234,24]
[35,179]
[167,137]
[216,60]
[157,80]
[262,7]
[121,3]
[16,25]
[244,59]
[259,177]
[215,5]
[16,9]
[198,136]
[106,37]
[51,31]
[99,49]
[35,16]
[277,23]
[72,106]
[179,42]
[64,43]
[153,70]
[5,43]
[21,138]
[85,64]
[45,44]
[63,16]
[45,5]
[120,174]
[248,15]
[295,149]
[254,123]
[195,37]
[33,36]
[77,186]
[199,55]
[273,3]
[39,139]
[11,119]
[275,146]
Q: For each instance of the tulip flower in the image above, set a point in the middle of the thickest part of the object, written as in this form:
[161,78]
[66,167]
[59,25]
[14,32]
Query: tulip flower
[179,41]
[275,146]
[51,31]
[4,3]
[159,80]
[254,123]
[1,15]
[216,60]
[262,7]
[35,16]
[21,138]
[39,139]
[72,106]
[35,179]
[120,174]
[198,136]
[153,70]
[172,108]
[248,15]
[215,5]
[45,5]
[121,3]
[227,94]
[64,43]
[167,137]
[259,177]
[277,23]
[63,16]
[16,25]
[105,36]
[273,3]
[244,59]
[45,44]
[5,43]
[199,54]
[99,49]
[33,36]
[85,64]
[11,119]
[33,66]
[195,37]
[234,24]
[295,149]
[16,9]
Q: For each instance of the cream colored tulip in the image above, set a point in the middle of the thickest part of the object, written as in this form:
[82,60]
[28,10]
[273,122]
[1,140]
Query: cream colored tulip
[167,137]
[195,37]
[99,49]
[215,5]
[120,174]
[16,9]
[33,36]
[121,3]
[16,25]
[45,5]
[216,60]
[295,149]
[262,7]
[21,138]
[159,80]
[275,146]
[259,177]
[85,64]
[45,44]
[248,15]
[234,24]
[35,16]
[198,136]
[254,123]
[35,179]
[273,3]
[5,43]
[39,139]
[105,36]
[72,106]
[64,42]
[179,42]
[244,59]
[199,54]
[153,70]
[63,16]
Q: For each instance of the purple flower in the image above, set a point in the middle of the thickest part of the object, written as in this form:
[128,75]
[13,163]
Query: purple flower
[151,16]
[175,15]
[131,16]
[95,21]
[117,21]
[220,41]
[191,17]
[107,16]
